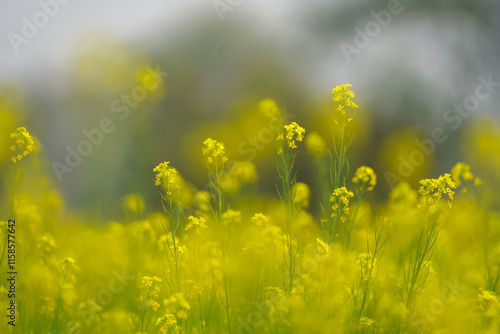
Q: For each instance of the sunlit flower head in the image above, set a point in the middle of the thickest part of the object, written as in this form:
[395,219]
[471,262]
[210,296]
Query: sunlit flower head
[343,94]
[293,132]
[23,144]
[436,188]
[341,196]
[365,175]
[214,152]
[164,173]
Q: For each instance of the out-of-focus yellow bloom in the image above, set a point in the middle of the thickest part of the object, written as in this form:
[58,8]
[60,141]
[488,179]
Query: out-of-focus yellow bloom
[202,200]
[152,288]
[366,268]
[301,194]
[245,171]
[315,144]
[176,301]
[133,203]
[403,195]
[68,268]
[365,175]
[260,219]
[322,247]
[228,183]
[486,300]
[214,152]
[196,223]
[46,245]
[293,132]
[461,172]
[367,324]
[343,94]
[436,188]
[23,144]
[164,173]
[231,217]
[269,108]
[168,324]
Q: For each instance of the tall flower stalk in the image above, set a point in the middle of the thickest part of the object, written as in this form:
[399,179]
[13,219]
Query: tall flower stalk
[338,161]
[214,154]
[165,176]
[417,268]
[22,145]
[287,174]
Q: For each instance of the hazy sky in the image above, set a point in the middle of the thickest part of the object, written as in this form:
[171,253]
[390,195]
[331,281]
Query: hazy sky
[72,22]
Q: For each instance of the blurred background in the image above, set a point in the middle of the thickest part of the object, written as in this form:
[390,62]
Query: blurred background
[149,81]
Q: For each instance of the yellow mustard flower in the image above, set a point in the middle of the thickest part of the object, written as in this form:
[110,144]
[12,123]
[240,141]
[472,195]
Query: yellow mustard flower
[322,247]
[164,173]
[343,94]
[23,144]
[196,223]
[436,188]
[214,152]
[293,132]
[486,300]
[365,175]
[461,172]
[260,219]
[343,196]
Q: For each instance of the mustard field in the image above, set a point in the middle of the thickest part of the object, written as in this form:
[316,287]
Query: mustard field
[329,252]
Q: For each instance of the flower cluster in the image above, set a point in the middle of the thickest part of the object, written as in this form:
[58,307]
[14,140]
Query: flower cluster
[151,287]
[486,300]
[365,175]
[366,266]
[341,195]
[168,324]
[436,188]
[214,152]
[23,144]
[461,172]
[343,94]
[322,247]
[260,219]
[196,223]
[164,173]
[293,132]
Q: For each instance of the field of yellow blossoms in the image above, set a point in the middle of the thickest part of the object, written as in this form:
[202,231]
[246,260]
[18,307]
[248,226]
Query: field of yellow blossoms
[231,259]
